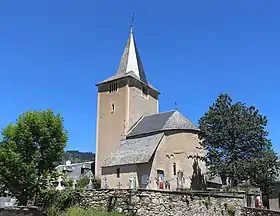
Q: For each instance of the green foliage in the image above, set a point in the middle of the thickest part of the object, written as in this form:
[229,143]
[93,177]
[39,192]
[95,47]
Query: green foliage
[207,202]
[30,150]
[237,146]
[52,200]
[197,179]
[77,211]
[53,177]
[263,170]
[84,181]
[96,183]
[230,208]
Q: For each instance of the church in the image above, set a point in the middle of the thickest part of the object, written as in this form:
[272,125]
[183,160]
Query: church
[136,145]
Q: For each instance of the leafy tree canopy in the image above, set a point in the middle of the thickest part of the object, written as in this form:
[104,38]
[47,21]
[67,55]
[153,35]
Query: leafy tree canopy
[235,138]
[30,150]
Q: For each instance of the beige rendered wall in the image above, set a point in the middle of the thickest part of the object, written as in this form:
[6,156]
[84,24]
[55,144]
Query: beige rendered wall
[110,126]
[140,105]
[126,172]
[179,148]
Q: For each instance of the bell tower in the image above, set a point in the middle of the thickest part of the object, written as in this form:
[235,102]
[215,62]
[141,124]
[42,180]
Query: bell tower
[121,101]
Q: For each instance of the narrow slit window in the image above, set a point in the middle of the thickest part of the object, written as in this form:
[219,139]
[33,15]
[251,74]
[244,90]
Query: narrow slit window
[118,172]
[113,107]
[174,169]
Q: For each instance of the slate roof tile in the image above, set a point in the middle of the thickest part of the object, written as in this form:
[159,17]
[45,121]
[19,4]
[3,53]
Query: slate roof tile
[162,121]
[74,170]
[134,151]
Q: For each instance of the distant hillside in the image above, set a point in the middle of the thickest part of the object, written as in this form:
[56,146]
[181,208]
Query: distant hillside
[77,157]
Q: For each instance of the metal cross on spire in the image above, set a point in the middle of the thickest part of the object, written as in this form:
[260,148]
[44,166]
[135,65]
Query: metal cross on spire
[132,20]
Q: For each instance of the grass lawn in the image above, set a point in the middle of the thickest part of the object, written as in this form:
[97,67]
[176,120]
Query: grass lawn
[77,211]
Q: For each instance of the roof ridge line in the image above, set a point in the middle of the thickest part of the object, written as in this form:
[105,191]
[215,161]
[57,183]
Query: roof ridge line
[197,125]
[61,165]
[133,126]
[159,113]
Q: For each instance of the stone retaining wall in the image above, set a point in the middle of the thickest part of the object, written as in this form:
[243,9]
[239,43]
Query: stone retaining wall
[259,212]
[20,211]
[151,202]
[166,203]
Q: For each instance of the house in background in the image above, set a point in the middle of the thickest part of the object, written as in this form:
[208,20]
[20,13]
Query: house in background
[76,170]
[136,146]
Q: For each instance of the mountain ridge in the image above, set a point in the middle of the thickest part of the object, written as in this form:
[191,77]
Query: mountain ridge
[76,156]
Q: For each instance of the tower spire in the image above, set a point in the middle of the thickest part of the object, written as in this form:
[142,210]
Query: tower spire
[130,64]
[130,61]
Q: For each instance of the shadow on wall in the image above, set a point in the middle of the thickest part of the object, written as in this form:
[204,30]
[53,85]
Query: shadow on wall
[197,179]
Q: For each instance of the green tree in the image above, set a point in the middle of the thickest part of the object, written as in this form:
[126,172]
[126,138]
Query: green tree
[236,141]
[30,150]
[84,181]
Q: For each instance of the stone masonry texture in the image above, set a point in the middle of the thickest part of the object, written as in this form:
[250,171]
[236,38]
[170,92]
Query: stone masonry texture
[152,203]
[20,211]
[259,212]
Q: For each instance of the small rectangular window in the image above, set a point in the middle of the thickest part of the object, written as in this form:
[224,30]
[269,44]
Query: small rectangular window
[118,172]
[174,169]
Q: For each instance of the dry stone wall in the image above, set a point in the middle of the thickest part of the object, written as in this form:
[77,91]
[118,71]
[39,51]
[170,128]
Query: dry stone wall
[153,203]
[20,211]
[259,212]
[165,203]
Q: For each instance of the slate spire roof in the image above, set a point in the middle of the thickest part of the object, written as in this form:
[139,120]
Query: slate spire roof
[130,64]
[130,61]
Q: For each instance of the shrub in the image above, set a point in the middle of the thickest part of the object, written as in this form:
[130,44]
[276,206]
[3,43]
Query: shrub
[53,201]
[96,183]
[84,181]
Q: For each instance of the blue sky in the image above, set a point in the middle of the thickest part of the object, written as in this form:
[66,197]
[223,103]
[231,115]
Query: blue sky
[52,53]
